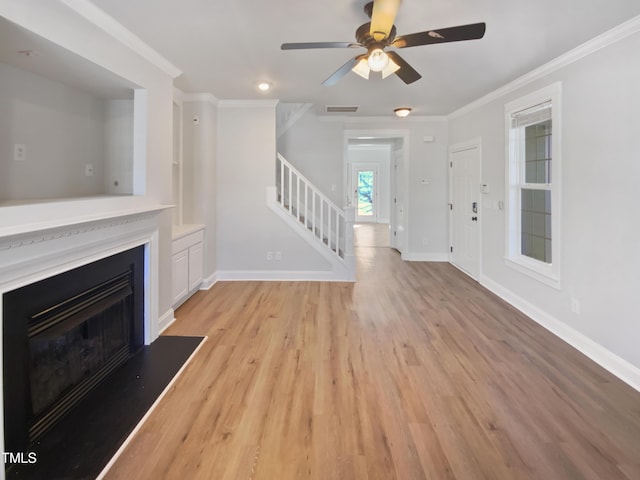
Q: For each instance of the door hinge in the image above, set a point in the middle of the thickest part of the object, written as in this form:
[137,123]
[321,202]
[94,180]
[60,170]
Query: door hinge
[451,249]
[451,206]
[451,164]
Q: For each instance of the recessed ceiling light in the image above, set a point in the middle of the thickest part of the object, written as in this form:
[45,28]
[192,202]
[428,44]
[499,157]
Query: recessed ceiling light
[402,112]
[264,86]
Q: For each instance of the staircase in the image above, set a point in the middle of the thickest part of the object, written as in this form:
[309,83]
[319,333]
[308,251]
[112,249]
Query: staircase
[324,225]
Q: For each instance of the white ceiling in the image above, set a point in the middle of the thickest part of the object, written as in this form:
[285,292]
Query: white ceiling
[226,48]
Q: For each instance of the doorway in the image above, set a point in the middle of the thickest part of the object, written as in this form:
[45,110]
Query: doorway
[464,163]
[375,180]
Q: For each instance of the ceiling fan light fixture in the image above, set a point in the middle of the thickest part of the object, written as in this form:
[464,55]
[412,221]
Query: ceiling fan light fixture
[402,112]
[378,60]
[391,68]
[362,68]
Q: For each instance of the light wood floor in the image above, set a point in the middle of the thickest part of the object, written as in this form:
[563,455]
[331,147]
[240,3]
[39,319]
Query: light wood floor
[371,235]
[413,372]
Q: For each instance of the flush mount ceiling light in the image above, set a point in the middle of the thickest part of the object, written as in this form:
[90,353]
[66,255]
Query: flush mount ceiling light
[402,112]
[264,86]
[378,60]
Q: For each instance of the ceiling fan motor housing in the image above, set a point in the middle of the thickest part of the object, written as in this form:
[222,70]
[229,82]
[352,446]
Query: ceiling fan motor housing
[364,38]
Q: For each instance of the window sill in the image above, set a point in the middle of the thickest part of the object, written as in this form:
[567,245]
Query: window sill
[543,273]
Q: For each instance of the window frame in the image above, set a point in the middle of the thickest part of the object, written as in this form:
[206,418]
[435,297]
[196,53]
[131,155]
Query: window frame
[547,273]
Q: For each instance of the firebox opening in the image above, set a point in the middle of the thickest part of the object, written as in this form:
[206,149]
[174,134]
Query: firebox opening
[63,336]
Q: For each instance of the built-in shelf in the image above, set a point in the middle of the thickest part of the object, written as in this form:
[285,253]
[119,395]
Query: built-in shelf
[71,129]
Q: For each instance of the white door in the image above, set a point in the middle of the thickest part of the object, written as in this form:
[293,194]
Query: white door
[465,209]
[365,190]
[397,198]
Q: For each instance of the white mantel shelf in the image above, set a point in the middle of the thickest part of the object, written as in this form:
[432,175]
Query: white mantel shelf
[34,218]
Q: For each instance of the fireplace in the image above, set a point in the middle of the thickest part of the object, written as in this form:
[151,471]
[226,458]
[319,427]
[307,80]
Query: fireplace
[65,334]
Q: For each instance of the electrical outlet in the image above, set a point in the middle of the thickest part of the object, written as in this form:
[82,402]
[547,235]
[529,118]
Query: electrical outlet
[88,170]
[269,255]
[575,305]
[19,152]
[278,256]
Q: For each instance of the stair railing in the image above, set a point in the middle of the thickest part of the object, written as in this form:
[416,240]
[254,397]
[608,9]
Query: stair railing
[313,209]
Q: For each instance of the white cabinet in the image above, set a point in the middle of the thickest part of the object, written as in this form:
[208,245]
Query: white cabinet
[188,262]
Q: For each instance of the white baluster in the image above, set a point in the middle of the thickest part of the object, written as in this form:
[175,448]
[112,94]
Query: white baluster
[290,185]
[281,181]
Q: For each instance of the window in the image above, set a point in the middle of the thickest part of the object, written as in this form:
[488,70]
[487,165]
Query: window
[533,202]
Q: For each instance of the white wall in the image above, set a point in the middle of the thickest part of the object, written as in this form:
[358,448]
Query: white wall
[63,129]
[600,171]
[200,173]
[317,148]
[247,228]
[118,168]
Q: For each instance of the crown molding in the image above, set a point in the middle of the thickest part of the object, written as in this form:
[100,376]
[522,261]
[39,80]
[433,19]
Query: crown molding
[111,26]
[590,47]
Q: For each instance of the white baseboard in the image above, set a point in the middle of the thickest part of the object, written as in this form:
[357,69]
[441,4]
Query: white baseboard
[425,257]
[166,320]
[619,367]
[209,282]
[280,275]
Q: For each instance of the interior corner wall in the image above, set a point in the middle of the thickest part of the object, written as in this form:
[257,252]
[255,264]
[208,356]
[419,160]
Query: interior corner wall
[200,173]
[62,128]
[247,227]
[600,259]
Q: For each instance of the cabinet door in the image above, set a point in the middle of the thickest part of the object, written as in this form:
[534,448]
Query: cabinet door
[180,275]
[196,266]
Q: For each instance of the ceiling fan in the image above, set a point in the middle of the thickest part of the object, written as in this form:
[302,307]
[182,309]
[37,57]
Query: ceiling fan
[379,34]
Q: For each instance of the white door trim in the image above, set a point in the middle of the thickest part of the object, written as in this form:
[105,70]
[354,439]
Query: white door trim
[391,135]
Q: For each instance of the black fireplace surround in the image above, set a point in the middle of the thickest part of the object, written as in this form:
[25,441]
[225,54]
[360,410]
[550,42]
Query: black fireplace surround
[65,334]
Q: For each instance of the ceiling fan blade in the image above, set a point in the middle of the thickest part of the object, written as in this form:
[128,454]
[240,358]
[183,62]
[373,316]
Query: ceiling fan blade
[341,72]
[382,18]
[406,72]
[472,31]
[307,45]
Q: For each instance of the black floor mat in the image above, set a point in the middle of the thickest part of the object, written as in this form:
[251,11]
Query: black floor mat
[81,445]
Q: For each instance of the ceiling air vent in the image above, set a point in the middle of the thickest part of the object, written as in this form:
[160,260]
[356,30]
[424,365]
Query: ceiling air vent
[341,108]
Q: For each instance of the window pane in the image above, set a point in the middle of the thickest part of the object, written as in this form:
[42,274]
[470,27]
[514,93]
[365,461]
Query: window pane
[538,153]
[365,193]
[535,228]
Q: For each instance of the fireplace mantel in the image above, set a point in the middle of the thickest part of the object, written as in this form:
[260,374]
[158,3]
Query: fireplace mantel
[28,218]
